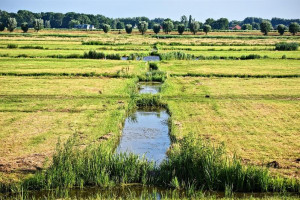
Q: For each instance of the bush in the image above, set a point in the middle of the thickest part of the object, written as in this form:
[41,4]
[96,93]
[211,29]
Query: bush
[12,46]
[153,66]
[283,46]
[176,56]
[92,54]
[128,28]
[24,27]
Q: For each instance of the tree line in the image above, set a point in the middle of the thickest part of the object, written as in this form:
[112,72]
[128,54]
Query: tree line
[26,19]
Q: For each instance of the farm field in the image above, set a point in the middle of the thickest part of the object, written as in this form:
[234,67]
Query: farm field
[251,106]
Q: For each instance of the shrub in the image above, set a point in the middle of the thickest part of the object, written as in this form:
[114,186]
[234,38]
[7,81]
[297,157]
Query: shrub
[24,27]
[106,28]
[128,28]
[283,46]
[12,46]
[153,66]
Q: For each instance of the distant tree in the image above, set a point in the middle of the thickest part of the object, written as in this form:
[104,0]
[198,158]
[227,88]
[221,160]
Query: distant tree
[143,27]
[73,23]
[265,27]
[120,25]
[255,26]
[194,27]
[47,24]
[168,26]
[209,21]
[106,28]
[184,21]
[11,24]
[281,29]
[2,26]
[181,28]
[156,28]
[247,27]
[191,20]
[38,24]
[128,28]
[24,27]
[206,29]
[294,28]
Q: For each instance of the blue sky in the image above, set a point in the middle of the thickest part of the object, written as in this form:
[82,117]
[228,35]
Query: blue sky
[200,9]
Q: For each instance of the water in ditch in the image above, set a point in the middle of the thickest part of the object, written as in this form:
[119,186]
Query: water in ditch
[149,87]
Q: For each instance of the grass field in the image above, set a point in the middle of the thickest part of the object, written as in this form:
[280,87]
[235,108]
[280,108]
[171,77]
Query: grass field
[252,106]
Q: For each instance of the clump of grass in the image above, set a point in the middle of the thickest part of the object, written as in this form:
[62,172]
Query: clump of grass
[284,46]
[32,47]
[92,54]
[155,75]
[251,57]
[176,56]
[153,66]
[149,100]
[207,167]
[94,166]
[12,46]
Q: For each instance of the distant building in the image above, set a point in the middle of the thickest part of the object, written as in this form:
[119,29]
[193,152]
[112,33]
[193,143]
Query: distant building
[236,27]
[85,26]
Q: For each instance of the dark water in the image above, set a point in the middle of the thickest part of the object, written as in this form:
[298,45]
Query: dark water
[151,58]
[149,87]
[146,132]
[146,58]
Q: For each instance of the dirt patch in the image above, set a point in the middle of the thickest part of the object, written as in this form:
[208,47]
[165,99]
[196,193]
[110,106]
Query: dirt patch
[29,163]
[273,164]
[105,137]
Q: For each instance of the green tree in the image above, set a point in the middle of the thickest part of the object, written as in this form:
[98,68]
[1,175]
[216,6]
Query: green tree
[168,26]
[2,26]
[194,28]
[265,27]
[143,27]
[294,28]
[24,27]
[106,28]
[47,24]
[156,28]
[11,24]
[281,29]
[191,20]
[73,23]
[184,21]
[128,28]
[247,27]
[38,24]
[206,28]
[120,25]
[181,28]
[209,21]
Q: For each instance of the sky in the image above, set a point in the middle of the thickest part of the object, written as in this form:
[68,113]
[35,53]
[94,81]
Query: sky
[174,9]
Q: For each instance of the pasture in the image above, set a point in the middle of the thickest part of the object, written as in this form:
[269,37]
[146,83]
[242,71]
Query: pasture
[250,107]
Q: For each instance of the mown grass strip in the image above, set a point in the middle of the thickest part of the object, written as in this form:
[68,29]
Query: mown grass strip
[236,75]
